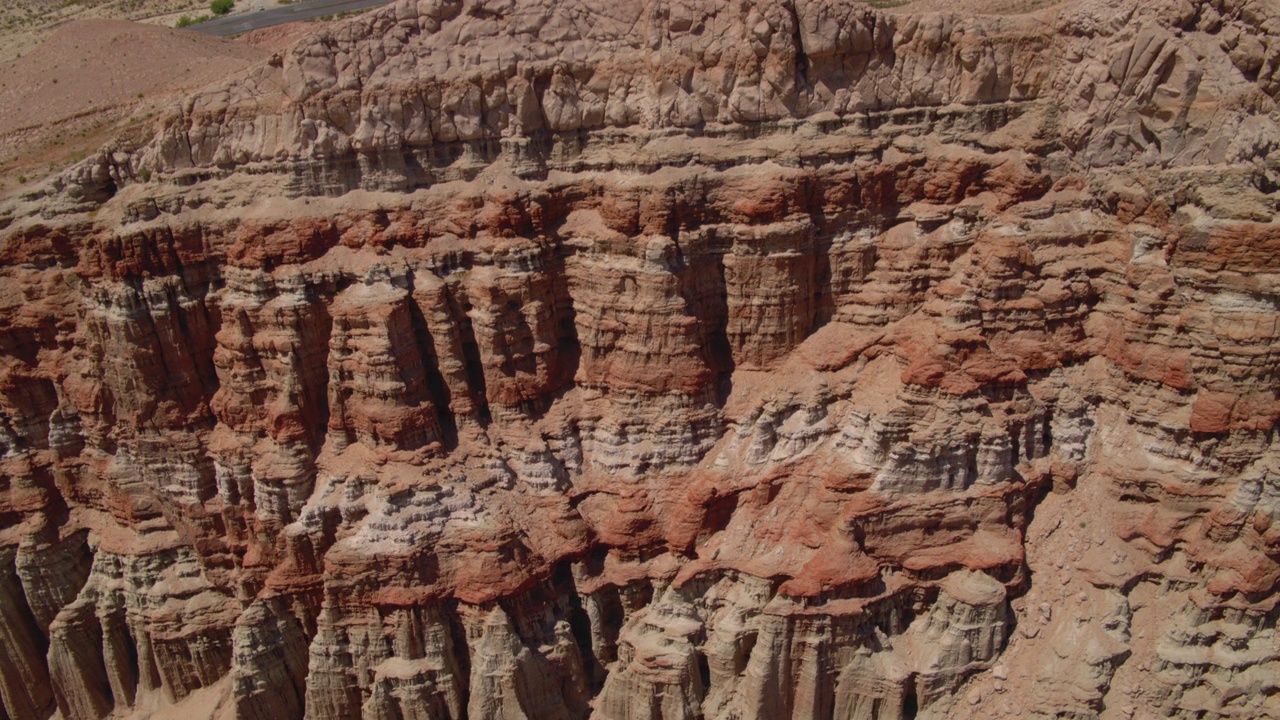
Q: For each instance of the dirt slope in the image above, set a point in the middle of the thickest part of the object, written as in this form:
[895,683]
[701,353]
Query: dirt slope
[94,78]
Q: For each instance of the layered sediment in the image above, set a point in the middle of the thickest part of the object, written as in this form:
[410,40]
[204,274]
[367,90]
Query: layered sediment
[666,360]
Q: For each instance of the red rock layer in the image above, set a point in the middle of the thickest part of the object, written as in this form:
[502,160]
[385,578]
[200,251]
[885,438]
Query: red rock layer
[791,360]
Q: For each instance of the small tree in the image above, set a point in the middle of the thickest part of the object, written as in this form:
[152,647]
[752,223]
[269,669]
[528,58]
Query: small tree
[221,7]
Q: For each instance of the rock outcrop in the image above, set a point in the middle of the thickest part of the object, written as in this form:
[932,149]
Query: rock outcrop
[519,360]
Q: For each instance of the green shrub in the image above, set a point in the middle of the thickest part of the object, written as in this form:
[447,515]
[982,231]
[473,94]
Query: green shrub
[221,7]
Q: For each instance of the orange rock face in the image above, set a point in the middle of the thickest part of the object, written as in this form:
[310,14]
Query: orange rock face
[661,360]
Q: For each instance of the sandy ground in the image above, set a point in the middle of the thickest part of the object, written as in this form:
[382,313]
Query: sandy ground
[74,73]
[91,64]
[210,703]
[91,79]
[25,23]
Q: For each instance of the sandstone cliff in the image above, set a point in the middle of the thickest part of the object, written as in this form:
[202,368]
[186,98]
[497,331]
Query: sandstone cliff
[667,359]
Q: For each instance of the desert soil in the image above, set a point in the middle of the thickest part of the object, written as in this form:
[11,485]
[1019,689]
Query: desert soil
[25,23]
[90,78]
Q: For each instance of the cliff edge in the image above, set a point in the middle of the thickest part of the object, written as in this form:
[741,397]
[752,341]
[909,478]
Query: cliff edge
[666,359]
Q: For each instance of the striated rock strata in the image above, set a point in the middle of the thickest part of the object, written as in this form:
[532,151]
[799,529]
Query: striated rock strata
[794,359]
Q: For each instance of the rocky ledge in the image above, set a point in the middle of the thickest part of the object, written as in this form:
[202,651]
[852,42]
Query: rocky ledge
[665,359]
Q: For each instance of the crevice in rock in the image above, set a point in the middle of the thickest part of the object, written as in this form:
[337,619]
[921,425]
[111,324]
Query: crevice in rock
[24,675]
[910,702]
[580,623]
[472,362]
[78,673]
[437,388]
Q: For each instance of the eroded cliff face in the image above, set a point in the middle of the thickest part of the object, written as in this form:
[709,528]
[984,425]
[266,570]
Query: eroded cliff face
[666,360]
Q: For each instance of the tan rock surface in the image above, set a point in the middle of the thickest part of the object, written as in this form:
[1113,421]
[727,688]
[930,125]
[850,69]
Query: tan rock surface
[661,360]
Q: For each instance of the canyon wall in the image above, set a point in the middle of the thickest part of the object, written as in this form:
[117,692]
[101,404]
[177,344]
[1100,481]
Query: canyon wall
[667,359]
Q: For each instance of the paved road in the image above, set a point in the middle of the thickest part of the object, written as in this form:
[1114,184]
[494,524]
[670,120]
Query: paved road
[255,19]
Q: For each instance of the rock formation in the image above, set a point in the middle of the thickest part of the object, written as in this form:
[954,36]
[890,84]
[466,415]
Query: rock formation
[662,359]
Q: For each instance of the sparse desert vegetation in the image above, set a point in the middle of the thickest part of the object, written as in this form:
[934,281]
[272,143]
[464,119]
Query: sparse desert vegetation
[24,23]
[93,80]
[67,87]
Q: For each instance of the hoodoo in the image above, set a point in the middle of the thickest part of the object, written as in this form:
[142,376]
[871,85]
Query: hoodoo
[661,360]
